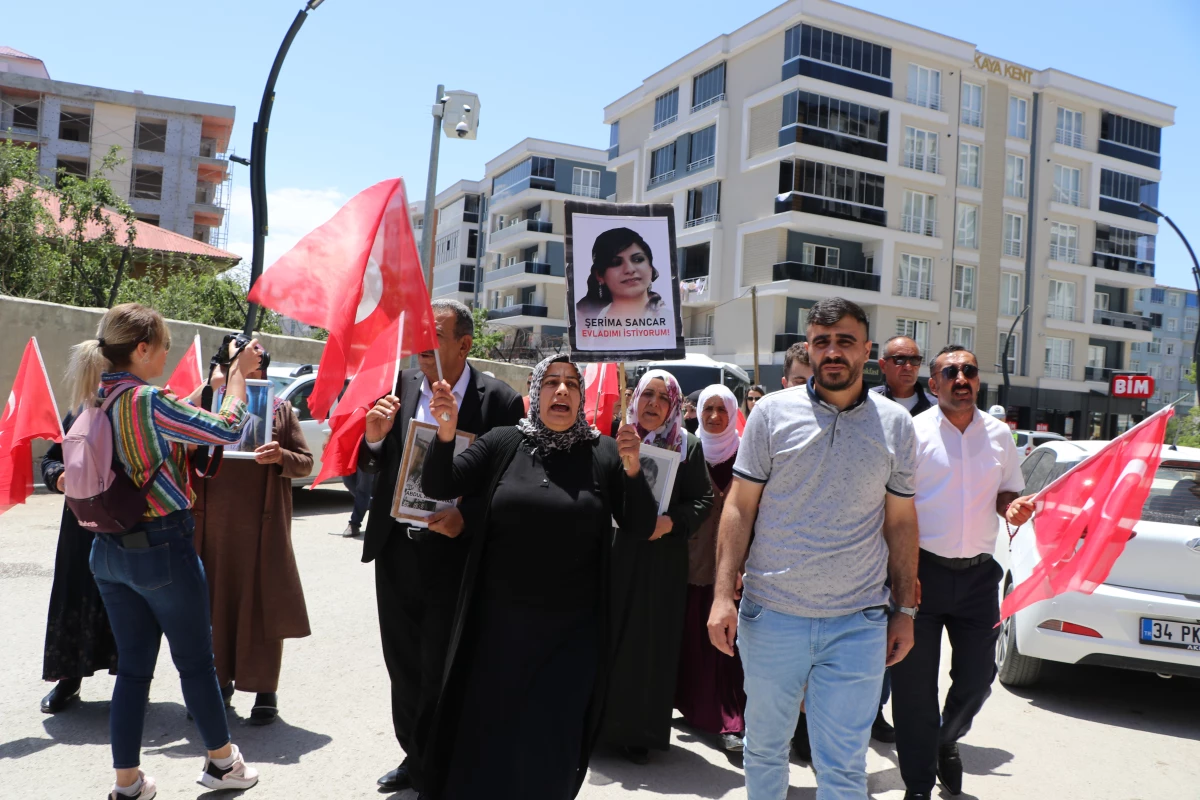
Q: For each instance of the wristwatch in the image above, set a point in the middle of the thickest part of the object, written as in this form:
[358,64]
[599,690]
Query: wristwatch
[910,610]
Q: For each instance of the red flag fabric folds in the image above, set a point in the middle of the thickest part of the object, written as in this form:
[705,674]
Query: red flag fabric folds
[189,374]
[602,392]
[29,414]
[353,276]
[1085,517]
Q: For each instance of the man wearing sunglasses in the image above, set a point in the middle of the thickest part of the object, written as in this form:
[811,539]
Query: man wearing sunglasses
[968,471]
[901,362]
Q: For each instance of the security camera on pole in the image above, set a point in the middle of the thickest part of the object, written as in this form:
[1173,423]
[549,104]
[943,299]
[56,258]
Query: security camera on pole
[456,113]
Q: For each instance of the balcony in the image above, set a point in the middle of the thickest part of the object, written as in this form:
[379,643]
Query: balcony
[821,206]
[1101,373]
[1062,312]
[512,274]
[709,102]
[664,123]
[1135,322]
[972,117]
[1060,371]
[1070,138]
[585,190]
[701,163]
[518,310]
[924,226]
[920,161]
[522,234]
[692,223]
[925,99]
[695,290]
[785,340]
[1070,197]
[698,341]
[1064,253]
[661,178]
[1126,264]
[918,289]
[830,276]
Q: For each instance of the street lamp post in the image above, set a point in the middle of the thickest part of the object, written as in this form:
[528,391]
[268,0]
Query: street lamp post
[1195,271]
[446,108]
[258,157]
[1004,358]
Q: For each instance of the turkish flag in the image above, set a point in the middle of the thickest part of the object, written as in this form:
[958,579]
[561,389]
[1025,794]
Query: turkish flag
[353,276]
[602,392]
[1084,518]
[741,421]
[189,374]
[29,414]
[376,378]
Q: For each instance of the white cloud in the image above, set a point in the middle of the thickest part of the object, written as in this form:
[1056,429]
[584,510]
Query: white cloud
[292,212]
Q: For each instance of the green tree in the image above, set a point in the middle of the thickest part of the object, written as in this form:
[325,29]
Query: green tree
[195,293]
[484,341]
[29,264]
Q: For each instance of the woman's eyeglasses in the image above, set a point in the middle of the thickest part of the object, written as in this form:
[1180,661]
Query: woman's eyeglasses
[969,371]
[904,361]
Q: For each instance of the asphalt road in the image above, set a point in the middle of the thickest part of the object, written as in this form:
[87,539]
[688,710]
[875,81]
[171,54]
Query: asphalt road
[1084,733]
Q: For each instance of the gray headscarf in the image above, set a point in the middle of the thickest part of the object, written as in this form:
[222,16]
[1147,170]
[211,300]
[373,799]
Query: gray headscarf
[543,439]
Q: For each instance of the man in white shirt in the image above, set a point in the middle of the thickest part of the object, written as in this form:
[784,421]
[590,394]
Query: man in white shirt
[967,472]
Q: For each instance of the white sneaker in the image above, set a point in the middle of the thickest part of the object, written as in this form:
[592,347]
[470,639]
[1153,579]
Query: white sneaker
[147,791]
[237,775]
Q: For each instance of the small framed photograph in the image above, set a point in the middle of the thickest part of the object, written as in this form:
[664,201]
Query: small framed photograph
[409,503]
[659,465]
[260,402]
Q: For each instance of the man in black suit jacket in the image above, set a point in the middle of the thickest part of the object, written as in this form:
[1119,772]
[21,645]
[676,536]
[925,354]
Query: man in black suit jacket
[418,571]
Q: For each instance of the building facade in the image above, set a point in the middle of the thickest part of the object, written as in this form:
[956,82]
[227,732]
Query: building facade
[1167,356]
[175,174]
[456,242]
[824,151]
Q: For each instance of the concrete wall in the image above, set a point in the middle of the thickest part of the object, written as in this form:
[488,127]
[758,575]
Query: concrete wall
[512,374]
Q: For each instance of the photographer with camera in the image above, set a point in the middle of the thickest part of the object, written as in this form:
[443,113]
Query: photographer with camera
[244,537]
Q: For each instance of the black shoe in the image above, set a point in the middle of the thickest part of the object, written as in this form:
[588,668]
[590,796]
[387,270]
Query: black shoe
[800,742]
[266,709]
[397,779]
[351,532]
[916,796]
[881,731]
[638,755]
[949,768]
[61,695]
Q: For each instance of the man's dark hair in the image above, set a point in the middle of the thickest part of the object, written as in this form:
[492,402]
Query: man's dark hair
[464,322]
[952,348]
[797,352]
[829,311]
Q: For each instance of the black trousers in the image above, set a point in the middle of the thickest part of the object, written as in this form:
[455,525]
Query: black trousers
[416,594]
[966,604]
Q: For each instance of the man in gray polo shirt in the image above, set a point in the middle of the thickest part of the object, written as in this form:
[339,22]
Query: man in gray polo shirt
[824,478]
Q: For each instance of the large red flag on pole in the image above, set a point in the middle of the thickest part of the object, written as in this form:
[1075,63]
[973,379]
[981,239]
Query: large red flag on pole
[29,414]
[189,374]
[1084,518]
[353,276]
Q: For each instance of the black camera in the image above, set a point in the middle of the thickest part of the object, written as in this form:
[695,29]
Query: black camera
[240,341]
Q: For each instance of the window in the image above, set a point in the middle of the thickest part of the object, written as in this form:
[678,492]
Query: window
[1014,176]
[967,226]
[1058,357]
[811,110]
[1062,300]
[75,126]
[1014,235]
[1170,349]
[925,86]
[962,335]
[585,182]
[1121,194]
[25,116]
[151,136]
[1130,134]
[1135,365]
[1101,300]
[149,219]
[1017,108]
[1066,185]
[1064,243]
[1070,128]
[1158,296]
[1172,324]
[1135,347]
[972,105]
[77,167]
[915,329]
[820,255]
[666,108]
[1010,294]
[964,287]
[916,277]
[708,87]
[614,139]
[695,261]
[147,183]
[920,149]
[702,148]
[1097,356]
[805,41]
[446,249]
[703,204]
[1174,299]
[1155,371]
[662,164]
[1168,372]
[1189,325]
[473,243]
[968,165]
[920,213]
[538,171]
[1013,351]
[855,195]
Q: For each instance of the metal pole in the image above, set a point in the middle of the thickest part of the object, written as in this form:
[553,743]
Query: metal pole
[258,158]
[1195,272]
[427,232]
[1004,358]
[754,322]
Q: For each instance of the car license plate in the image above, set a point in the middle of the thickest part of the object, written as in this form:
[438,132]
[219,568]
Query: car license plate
[1169,633]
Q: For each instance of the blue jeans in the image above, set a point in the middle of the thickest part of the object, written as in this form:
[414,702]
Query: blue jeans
[841,660]
[360,485]
[148,592]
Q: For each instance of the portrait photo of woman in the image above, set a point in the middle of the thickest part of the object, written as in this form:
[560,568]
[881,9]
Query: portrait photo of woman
[622,277]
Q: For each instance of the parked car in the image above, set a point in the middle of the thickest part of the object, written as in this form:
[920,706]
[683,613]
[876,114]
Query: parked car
[1146,615]
[294,383]
[1027,440]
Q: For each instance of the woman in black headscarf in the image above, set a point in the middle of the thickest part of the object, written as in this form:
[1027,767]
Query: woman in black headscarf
[538,613]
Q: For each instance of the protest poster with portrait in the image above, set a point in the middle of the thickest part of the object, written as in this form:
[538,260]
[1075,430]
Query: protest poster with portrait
[409,503]
[622,282]
[260,418]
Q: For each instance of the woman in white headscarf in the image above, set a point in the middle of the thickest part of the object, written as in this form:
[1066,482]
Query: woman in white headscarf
[708,691]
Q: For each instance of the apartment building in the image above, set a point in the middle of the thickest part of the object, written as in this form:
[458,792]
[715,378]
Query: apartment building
[456,242]
[175,174]
[1167,356]
[824,151]
[523,284]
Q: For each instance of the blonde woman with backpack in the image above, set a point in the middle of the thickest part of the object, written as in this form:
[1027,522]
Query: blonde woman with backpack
[149,575]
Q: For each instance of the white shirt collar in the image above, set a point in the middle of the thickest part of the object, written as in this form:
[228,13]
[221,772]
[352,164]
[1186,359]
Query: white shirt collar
[459,389]
[942,420]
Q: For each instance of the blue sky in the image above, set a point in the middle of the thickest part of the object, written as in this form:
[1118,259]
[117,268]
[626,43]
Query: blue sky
[353,100]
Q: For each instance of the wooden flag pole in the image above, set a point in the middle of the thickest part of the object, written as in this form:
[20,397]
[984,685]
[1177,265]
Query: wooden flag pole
[621,389]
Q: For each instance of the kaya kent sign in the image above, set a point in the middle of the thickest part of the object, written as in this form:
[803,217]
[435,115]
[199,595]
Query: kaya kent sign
[998,67]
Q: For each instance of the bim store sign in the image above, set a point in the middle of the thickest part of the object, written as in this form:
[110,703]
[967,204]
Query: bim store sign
[1140,387]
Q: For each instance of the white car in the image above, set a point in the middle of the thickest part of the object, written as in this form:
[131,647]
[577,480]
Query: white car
[1146,615]
[294,383]
[1027,440]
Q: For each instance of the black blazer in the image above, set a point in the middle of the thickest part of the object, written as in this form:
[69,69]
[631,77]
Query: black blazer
[487,403]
